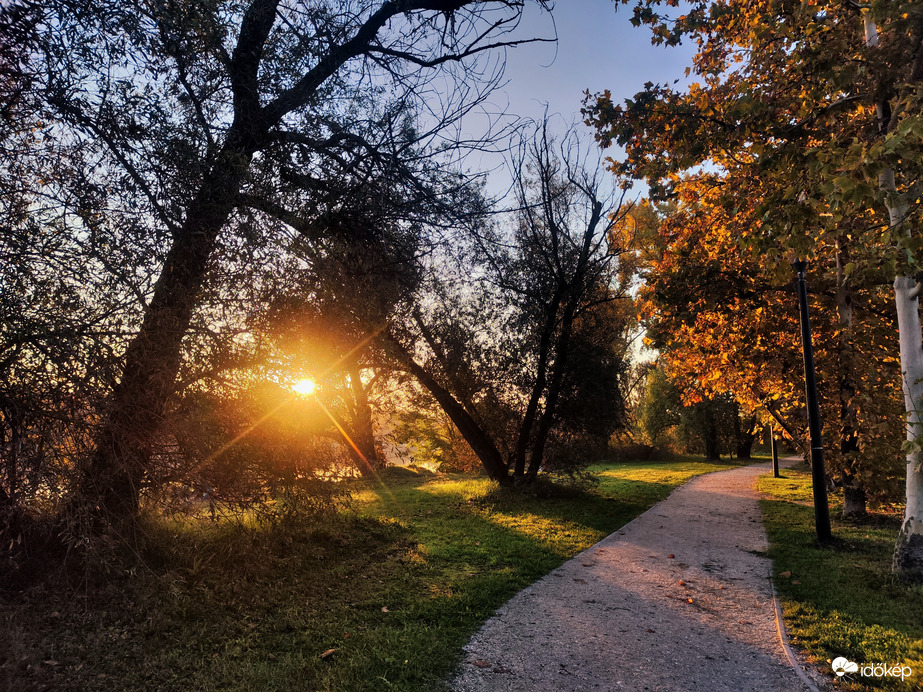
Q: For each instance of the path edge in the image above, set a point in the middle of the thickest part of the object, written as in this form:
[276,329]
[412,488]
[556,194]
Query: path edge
[790,654]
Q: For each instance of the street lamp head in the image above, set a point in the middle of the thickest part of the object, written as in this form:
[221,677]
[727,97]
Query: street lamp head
[800,265]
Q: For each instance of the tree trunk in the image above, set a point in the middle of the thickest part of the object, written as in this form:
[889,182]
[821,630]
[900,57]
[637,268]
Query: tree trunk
[363,433]
[546,420]
[474,435]
[745,440]
[114,475]
[709,434]
[541,377]
[563,346]
[908,553]
[854,497]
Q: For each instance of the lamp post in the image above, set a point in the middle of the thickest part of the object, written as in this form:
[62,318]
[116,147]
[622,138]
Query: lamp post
[775,453]
[821,509]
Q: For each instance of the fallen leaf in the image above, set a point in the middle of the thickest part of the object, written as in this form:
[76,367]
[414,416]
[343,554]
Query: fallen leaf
[384,609]
[328,653]
[482,664]
[795,581]
[580,581]
[689,600]
[49,662]
[671,556]
[651,631]
[785,574]
[682,583]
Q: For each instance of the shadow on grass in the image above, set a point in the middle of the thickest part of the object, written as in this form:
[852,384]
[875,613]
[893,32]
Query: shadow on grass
[841,599]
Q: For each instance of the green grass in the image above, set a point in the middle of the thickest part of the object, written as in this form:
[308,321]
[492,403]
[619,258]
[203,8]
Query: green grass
[841,600]
[394,587]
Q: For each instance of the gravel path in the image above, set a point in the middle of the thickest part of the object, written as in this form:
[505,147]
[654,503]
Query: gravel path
[675,600]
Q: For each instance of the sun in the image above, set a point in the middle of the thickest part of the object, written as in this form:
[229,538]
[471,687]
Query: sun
[304,387]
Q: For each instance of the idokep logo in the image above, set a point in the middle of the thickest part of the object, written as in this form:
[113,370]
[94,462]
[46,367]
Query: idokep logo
[841,666]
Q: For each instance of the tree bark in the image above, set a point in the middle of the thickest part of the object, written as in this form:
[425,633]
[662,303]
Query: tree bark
[114,476]
[709,434]
[554,389]
[573,287]
[541,377]
[743,442]
[908,553]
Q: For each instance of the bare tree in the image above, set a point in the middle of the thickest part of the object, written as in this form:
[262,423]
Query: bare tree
[506,356]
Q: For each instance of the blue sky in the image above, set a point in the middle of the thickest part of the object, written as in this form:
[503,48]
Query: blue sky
[597,49]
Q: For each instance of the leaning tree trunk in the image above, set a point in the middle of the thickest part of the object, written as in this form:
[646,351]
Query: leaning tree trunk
[476,437]
[113,477]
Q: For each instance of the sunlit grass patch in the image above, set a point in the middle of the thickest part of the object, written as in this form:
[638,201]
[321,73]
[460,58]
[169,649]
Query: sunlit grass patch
[842,600]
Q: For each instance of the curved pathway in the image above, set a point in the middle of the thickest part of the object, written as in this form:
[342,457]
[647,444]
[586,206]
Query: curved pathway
[678,599]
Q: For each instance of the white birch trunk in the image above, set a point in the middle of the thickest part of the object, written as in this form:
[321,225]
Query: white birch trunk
[908,554]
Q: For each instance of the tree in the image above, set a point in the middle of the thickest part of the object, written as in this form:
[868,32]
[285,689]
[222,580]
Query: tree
[791,101]
[185,112]
[498,352]
[724,324]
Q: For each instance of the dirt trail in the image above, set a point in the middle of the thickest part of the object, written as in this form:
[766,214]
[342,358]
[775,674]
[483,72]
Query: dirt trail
[679,599]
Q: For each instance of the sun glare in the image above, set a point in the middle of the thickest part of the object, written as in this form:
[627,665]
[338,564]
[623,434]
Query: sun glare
[304,387]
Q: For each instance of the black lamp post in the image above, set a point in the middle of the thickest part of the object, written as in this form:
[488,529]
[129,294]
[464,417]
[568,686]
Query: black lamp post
[775,453]
[821,509]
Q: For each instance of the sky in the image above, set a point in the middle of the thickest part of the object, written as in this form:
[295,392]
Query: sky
[597,49]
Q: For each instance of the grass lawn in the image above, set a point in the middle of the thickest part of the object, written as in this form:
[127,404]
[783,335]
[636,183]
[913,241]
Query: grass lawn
[842,600]
[382,596]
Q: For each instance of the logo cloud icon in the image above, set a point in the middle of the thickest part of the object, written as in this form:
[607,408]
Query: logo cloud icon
[841,666]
